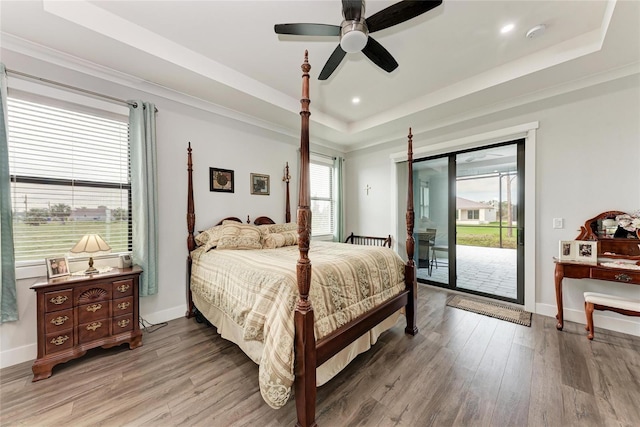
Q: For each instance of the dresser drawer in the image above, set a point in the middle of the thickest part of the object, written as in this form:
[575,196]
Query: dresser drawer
[122,324]
[122,288]
[94,330]
[616,275]
[58,321]
[58,300]
[94,311]
[92,293]
[122,306]
[59,341]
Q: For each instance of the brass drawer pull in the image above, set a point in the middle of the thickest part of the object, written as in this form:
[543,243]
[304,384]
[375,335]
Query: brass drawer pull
[123,323]
[94,307]
[60,299]
[124,305]
[59,320]
[60,340]
[623,277]
[123,288]
[93,326]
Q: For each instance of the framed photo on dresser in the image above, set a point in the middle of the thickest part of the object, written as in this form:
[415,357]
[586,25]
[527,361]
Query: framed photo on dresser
[587,251]
[57,267]
[567,251]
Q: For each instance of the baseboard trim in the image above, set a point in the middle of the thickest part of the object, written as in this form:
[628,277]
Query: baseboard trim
[29,352]
[600,320]
[17,355]
[165,315]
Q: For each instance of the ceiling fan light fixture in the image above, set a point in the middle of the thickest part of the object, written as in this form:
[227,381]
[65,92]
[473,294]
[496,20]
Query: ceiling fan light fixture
[353,36]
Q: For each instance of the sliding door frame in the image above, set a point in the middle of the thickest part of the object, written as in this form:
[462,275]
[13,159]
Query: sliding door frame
[423,147]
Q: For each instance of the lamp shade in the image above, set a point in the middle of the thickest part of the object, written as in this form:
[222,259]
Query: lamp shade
[90,243]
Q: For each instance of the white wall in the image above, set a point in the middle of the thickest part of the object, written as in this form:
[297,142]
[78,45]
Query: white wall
[217,142]
[587,162]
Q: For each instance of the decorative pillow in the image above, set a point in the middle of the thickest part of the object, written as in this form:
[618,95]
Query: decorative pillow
[281,228]
[235,235]
[278,240]
[209,237]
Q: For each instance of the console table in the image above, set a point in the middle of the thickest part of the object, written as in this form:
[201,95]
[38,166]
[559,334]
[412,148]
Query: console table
[575,270]
[626,247]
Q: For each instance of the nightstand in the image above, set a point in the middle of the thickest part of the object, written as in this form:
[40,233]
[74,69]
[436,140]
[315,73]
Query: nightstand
[77,313]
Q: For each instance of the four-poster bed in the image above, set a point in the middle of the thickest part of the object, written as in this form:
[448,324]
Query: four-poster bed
[282,329]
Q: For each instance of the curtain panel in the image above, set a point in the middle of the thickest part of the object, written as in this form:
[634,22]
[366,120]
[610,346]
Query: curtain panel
[338,166]
[144,194]
[8,300]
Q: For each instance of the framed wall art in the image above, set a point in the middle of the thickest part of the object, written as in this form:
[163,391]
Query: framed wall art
[221,180]
[57,267]
[259,184]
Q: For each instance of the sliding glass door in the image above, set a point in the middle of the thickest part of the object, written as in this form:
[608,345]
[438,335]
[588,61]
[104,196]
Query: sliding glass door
[431,195]
[469,220]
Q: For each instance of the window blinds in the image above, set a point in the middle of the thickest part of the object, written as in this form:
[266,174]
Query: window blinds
[322,202]
[69,176]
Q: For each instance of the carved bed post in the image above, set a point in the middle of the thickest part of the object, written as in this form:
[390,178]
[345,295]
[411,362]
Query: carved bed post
[305,343]
[191,222]
[411,283]
[287,210]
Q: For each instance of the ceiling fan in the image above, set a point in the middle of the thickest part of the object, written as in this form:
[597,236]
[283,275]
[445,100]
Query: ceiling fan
[355,28]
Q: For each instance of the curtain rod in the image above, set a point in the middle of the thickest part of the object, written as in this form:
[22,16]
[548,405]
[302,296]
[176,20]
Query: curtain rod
[77,89]
[322,155]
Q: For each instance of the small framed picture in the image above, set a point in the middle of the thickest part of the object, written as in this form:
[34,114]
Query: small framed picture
[221,180]
[567,251]
[57,267]
[259,184]
[587,251]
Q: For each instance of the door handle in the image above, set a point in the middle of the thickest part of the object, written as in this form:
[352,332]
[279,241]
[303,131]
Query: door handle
[520,236]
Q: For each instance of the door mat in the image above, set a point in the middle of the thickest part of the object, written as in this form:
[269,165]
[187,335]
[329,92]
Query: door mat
[491,309]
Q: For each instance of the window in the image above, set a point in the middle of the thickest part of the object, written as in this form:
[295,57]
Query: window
[322,199]
[69,176]
[473,214]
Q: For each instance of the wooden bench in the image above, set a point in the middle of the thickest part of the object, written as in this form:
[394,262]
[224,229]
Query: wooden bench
[596,301]
[369,240]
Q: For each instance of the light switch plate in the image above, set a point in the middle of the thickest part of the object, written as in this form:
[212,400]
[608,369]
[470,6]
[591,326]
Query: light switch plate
[558,223]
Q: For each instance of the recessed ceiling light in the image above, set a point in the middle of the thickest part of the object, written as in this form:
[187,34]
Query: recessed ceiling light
[507,28]
[355,100]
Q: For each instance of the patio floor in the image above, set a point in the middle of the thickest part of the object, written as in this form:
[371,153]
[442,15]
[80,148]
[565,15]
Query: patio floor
[488,270]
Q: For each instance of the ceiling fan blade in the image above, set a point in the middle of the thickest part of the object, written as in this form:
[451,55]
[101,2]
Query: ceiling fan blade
[399,12]
[379,55]
[332,63]
[352,9]
[307,29]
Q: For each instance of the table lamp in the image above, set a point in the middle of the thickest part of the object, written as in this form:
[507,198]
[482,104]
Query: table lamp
[90,244]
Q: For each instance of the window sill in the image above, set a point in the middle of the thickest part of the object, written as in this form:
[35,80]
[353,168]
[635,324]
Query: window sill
[35,269]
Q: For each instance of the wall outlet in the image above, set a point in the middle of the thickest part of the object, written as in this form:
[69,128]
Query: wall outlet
[558,223]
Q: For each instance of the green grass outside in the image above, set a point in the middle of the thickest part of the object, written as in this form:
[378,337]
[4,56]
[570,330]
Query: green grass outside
[55,238]
[486,235]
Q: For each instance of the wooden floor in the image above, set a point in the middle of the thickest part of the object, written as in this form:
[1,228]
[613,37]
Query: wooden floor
[461,369]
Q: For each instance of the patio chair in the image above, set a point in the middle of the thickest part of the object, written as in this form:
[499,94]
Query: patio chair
[434,256]
[426,240]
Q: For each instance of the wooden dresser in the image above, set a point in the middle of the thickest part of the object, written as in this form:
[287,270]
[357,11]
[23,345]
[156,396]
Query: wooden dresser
[77,313]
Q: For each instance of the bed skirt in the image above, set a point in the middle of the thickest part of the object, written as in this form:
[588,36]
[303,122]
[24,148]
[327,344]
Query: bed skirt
[231,331]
